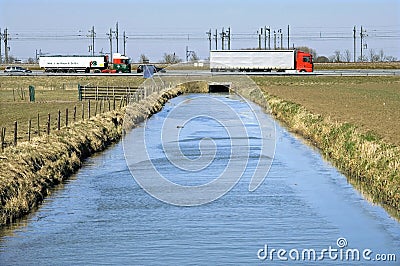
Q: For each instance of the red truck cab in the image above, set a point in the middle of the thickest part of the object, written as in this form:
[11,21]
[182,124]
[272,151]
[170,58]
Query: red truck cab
[304,62]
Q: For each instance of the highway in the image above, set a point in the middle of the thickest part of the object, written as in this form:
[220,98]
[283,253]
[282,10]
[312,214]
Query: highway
[355,72]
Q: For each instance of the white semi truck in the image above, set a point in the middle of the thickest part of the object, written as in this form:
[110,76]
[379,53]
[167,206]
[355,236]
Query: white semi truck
[63,63]
[260,60]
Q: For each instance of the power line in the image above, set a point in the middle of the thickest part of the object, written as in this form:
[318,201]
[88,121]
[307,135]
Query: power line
[390,33]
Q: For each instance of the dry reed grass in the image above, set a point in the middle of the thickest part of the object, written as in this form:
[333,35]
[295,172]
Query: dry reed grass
[29,171]
[370,164]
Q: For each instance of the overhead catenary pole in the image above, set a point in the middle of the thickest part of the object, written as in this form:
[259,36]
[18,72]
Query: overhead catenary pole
[274,40]
[362,35]
[125,40]
[92,36]
[229,38]
[265,37]
[1,38]
[209,39]
[216,39]
[222,34]
[116,34]
[260,33]
[110,38]
[5,38]
[269,37]
[361,48]
[288,37]
[354,44]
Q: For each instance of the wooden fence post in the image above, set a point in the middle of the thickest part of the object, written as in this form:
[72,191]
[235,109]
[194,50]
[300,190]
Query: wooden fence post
[48,124]
[83,111]
[74,113]
[95,108]
[38,124]
[89,109]
[2,138]
[66,117]
[15,132]
[59,120]
[29,129]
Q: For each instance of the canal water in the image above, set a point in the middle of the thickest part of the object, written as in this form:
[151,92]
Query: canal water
[304,212]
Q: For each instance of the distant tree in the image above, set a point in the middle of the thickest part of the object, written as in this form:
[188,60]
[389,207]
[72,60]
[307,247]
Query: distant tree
[363,59]
[31,60]
[373,57]
[322,59]
[193,57]
[390,58]
[308,50]
[143,59]
[347,55]
[170,59]
[337,56]
[381,55]
[12,59]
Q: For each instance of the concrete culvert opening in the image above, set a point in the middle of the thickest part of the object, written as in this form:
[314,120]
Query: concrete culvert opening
[219,87]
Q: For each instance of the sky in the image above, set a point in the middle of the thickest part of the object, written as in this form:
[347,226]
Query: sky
[156,27]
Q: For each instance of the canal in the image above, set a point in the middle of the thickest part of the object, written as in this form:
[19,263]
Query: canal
[303,212]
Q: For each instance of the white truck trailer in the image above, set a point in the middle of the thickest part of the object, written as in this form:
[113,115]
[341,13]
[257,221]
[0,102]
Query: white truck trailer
[74,63]
[260,60]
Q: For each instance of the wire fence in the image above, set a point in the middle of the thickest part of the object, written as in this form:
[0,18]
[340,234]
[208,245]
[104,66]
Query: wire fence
[94,100]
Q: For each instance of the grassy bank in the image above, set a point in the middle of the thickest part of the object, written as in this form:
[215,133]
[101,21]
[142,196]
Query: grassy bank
[29,171]
[343,125]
